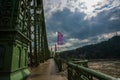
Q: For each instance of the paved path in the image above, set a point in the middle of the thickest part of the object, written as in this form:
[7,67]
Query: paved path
[46,71]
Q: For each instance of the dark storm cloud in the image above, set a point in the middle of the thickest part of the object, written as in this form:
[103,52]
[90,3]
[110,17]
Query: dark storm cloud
[103,22]
[70,23]
[74,25]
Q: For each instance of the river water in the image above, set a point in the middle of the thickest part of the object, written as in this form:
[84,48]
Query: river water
[110,67]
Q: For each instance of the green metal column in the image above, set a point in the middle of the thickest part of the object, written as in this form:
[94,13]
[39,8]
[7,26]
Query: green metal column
[39,47]
[41,50]
[14,39]
[35,34]
[39,32]
[30,34]
[44,45]
[38,21]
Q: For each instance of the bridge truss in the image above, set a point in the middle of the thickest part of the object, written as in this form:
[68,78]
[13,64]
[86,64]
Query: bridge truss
[22,35]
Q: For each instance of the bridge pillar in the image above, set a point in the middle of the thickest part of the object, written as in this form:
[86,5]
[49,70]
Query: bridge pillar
[13,39]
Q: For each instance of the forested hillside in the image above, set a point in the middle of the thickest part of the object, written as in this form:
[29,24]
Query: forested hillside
[105,50]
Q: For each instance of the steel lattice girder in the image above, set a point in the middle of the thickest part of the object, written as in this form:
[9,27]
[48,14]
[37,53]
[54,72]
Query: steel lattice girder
[40,50]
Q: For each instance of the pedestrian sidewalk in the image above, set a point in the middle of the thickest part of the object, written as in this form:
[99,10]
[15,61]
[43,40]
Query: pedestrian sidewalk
[46,71]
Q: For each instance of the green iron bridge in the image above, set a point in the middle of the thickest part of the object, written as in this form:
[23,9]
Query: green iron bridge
[23,35]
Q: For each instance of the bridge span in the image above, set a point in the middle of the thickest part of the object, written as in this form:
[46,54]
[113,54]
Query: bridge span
[23,38]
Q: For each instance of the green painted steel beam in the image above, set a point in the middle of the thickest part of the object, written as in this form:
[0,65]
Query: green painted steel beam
[41,51]
[35,35]
[90,72]
[14,39]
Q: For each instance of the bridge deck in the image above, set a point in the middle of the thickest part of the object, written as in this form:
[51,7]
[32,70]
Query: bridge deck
[46,71]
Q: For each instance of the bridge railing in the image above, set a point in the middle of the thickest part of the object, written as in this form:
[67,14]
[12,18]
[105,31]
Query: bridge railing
[78,70]
[59,63]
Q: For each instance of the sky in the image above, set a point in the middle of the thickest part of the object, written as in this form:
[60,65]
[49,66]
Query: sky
[82,22]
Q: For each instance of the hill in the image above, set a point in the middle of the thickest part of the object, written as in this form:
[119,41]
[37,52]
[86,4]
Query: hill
[109,49]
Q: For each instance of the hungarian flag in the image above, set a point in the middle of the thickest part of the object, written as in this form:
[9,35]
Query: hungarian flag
[60,38]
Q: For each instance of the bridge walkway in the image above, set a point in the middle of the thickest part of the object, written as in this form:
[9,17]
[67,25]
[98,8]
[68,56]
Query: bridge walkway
[46,71]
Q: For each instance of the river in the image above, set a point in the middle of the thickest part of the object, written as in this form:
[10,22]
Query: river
[110,67]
